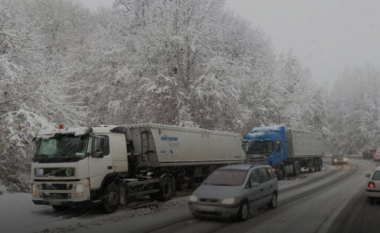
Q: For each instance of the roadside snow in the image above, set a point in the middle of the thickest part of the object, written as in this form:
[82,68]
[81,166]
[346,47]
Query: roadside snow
[3,189]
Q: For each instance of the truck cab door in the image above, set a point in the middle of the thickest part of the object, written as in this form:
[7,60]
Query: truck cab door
[100,160]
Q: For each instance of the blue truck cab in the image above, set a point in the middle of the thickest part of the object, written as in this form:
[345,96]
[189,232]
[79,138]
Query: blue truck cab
[265,145]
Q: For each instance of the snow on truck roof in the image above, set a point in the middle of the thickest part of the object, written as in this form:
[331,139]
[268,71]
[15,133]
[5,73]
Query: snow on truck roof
[274,127]
[76,131]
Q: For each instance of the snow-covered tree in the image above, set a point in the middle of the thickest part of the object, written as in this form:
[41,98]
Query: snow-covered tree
[355,109]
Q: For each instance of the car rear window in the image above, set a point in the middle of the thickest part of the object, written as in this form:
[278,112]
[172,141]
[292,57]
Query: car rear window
[226,177]
[376,175]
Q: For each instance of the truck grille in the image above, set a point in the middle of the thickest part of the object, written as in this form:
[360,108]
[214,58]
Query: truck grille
[257,160]
[57,172]
[56,196]
[55,186]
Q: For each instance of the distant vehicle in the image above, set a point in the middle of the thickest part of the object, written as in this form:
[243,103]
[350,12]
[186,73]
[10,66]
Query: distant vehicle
[373,187]
[286,150]
[376,156]
[339,159]
[233,190]
[368,153]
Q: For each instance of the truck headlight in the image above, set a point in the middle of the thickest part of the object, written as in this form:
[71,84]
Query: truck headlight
[229,201]
[193,198]
[33,189]
[79,190]
[335,160]
[345,159]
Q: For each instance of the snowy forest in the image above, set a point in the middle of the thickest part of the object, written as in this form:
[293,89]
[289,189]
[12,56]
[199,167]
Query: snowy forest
[190,63]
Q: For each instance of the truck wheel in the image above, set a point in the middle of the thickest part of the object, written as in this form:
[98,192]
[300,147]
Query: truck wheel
[111,198]
[243,212]
[167,189]
[296,170]
[273,202]
[280,175]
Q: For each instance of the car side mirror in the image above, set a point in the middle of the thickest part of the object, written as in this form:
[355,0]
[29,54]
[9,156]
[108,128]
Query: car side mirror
[252,184]
[367,175]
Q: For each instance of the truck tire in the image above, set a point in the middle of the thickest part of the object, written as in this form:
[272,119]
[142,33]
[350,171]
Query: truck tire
[167,189]
[243,212]
[111,198]
[296,170]
[280,174]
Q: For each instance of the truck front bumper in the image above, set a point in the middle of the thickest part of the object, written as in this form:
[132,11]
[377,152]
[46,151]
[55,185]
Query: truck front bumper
[56,192]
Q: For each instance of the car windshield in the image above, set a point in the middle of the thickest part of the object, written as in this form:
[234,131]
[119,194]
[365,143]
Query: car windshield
[61,147]
[226,177]
[339,156]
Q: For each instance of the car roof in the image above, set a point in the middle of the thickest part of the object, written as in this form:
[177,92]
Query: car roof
[245,166]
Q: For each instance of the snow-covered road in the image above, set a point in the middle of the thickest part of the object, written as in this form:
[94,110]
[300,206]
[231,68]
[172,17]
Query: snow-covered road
[19,214]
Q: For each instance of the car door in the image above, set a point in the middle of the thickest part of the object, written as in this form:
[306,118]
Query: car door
[253,189]
[266,185]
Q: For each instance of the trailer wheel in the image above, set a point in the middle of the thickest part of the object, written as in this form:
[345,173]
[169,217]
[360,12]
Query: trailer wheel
[297,169]
[167,189]
[111,198]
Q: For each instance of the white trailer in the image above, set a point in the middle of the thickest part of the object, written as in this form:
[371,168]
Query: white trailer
[306,149]
[114,164]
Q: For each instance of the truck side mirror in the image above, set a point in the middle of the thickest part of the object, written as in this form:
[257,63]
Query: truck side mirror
[98,154]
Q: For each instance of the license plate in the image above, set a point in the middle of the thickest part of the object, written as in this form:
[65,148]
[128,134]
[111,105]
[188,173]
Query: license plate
[207,208]
[55,202]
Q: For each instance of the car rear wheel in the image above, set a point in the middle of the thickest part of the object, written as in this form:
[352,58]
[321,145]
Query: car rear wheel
[243,212]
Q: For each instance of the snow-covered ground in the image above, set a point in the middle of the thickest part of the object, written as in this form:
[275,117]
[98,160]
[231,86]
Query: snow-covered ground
[19,214]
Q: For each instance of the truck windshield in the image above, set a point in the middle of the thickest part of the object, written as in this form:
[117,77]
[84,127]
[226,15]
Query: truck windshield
[260,147]
[61,148]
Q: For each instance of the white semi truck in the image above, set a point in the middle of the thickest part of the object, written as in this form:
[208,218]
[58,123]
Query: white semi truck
[111,165]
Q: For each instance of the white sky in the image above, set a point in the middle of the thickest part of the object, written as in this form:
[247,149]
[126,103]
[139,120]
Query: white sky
[326,35]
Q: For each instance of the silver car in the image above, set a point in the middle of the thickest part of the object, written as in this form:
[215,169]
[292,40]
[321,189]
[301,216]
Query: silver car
[373,186]
[232,191]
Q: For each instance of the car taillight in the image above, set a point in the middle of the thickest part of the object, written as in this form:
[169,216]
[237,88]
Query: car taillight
[368,151]
[371,184]
[376,155]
